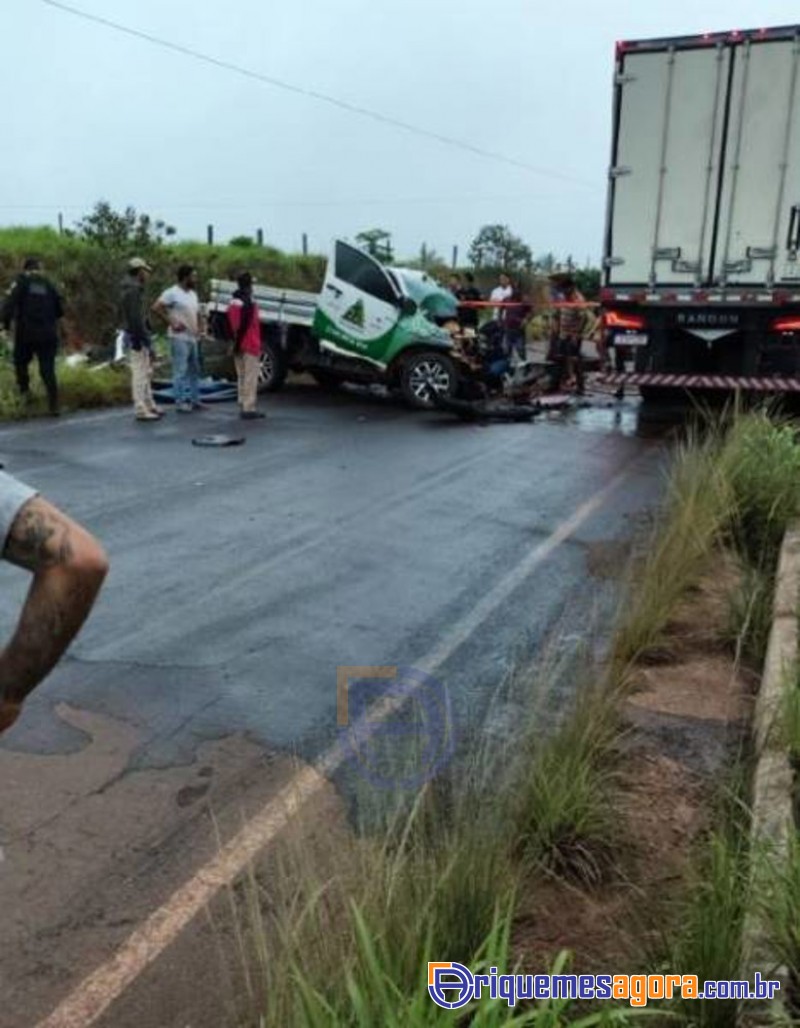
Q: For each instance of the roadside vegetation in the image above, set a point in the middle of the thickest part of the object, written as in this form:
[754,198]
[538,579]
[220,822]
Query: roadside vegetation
[83,387]
[464,870]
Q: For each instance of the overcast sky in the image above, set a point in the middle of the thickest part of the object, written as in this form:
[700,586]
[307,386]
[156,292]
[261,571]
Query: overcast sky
[91,113]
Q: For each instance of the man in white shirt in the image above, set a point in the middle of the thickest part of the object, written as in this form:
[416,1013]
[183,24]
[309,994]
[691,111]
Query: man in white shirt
[500,294]
[180,308]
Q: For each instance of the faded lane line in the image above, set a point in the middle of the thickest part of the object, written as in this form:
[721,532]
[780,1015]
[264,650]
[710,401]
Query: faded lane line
[92,998]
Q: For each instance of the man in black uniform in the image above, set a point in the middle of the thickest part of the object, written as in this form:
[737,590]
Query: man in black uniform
[35,307]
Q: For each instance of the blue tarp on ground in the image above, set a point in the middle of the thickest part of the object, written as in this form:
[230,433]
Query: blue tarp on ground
[211,391]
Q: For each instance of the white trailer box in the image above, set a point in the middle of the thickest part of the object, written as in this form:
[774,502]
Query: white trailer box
[704,196]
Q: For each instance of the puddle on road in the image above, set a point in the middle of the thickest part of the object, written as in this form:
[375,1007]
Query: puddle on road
[629,418]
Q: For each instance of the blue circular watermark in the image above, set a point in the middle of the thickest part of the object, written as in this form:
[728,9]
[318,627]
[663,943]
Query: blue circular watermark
[395,723]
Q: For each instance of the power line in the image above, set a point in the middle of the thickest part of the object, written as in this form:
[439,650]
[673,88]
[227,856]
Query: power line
[214,205]
[313,94]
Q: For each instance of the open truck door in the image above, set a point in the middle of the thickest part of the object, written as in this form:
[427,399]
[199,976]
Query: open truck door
[359,308]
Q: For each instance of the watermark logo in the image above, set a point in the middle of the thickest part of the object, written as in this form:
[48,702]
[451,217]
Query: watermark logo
[446,978]
[395,723]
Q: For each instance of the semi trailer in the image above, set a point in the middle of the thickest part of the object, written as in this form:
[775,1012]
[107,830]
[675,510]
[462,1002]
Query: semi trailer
[701,265]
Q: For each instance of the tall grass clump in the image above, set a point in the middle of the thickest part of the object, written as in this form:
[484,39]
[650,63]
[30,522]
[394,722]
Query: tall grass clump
[435,884]
[564,819]
[761,461]
[709,940]
[750,612]
[780,910]
[697,507]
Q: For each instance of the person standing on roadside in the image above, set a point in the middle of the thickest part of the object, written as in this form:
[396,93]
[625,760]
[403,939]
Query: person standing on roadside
[514,322]
[469,316]
[68,567]
[567,329]
[245,326]
[501,292]
[180,308]
[137,339]
[35,307]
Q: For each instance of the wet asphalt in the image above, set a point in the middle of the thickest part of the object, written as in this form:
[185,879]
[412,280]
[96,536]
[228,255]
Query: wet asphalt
[346,530]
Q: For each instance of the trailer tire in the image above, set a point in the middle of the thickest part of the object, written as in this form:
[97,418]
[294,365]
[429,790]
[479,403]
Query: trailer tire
[425,370]
[272,366]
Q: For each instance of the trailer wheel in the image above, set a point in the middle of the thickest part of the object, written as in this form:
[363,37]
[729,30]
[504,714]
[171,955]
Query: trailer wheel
[272,367]
[428,370]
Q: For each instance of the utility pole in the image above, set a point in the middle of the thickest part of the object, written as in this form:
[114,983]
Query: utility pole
[210,235]
[455,257]
[60,223]
[305,244]
[260,236]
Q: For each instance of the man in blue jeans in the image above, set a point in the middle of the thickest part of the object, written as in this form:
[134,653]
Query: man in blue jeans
[180,308]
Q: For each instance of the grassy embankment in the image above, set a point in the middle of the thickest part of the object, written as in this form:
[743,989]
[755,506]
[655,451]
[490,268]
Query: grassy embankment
[342,937]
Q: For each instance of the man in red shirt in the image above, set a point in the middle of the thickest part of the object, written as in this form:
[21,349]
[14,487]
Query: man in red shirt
[245,326]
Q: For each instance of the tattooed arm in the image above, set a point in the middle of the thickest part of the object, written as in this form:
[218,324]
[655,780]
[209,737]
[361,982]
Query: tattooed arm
[68,568]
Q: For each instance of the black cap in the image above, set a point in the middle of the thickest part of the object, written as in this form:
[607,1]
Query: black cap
[245,280]
[32,264]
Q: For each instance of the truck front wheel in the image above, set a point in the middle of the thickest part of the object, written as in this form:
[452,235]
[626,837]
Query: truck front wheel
[425,371]
[272,367]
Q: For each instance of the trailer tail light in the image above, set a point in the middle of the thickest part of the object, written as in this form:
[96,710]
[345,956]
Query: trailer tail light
[790,324]
[614,319]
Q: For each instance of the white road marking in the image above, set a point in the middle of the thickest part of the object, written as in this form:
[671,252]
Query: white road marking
[91,999]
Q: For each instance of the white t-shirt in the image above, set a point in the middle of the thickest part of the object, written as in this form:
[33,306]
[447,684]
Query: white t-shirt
[13,497]
[183,309]
[500,294]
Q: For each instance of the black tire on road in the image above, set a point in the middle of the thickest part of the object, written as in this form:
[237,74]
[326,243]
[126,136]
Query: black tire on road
[424,370]
[272,368]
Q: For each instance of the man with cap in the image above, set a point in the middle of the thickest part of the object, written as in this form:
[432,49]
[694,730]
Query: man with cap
[137,339]
[245,327]
[34,306]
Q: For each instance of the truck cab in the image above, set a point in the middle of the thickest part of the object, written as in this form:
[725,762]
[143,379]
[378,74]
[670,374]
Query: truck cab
[370,324]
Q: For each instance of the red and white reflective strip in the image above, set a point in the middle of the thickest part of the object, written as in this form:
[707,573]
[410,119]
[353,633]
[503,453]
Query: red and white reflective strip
[762,384]
[670,298]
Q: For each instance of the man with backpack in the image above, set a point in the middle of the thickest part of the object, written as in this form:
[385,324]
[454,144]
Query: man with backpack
[35,307]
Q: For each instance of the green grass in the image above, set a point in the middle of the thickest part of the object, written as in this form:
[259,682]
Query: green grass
[697,507]
[80,388]
[780,908]
[750,613]
[709,940]
[761,461]
[564,797]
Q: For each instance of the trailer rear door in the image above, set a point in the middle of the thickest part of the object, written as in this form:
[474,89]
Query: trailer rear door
[759,229]
[665,174]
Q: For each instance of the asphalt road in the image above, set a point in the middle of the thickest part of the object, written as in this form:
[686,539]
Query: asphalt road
[346,531]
